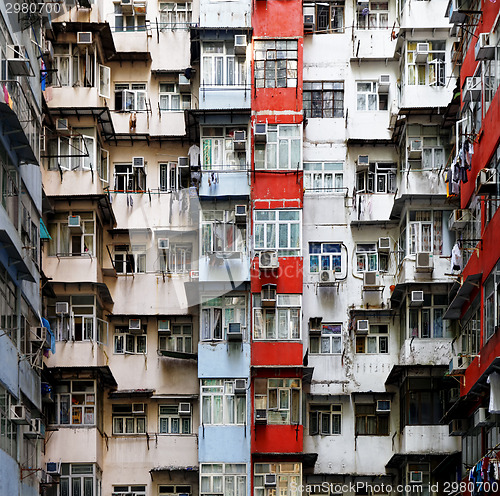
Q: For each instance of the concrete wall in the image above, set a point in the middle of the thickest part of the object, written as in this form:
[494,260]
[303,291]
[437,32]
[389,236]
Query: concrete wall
[223,360]
[427,439]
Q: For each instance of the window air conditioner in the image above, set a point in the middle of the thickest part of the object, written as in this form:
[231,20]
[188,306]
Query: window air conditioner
[315,325]
[415,149]
[261,416]
[370,280]
[240,386]
[422,52]
[270,480]
[458,365]
[384,245]
[484,50]
[260,132]
[234,331]
[472,89]
[309,12]
[138,162]
[19,414]
[163,243]
[486,182]
[138,408]
[268,260]
[62,308]
[417,298]
[164,325]
[384,82]
[240,44]
[423,262]
[19,63]
[459,219]
[134,326]
[184,409]
[416,477]
[383,406]
[240,213]
[458,427]
[48,49]
[326,277]
[127,6]
[184,84]
[268,295]
[74,221]
[62,124]
[362,326]
[183,161]
[53,468]
[482,418]
[240,140]
[84,37]
[363,163]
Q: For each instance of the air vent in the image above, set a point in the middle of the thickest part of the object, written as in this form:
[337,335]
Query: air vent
[261,416]
[183,161]
[383,406]
[62,124]
[270,480]
[268,295]
[422,52]
[138,162]
[363,163]
[309,12]
[486,182]
[326,277]
[184,84]
[138,408]
[164,325]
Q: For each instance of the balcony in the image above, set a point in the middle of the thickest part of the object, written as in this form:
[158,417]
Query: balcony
[224,97]
[73,268]
[232,181]
[74,97]
[427,439]
[426,351]
[168,124]
[78,354]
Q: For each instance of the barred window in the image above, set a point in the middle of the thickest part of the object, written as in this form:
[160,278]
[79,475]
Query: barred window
[324,99]
[276,64]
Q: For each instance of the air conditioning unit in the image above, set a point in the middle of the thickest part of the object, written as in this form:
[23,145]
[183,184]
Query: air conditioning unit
[482,418]
[384,83]
[240,386]
[62,308]
[184,84]
[74,222]
[19,414]
[362,326]
[127,6]
[384,245]
[19,63]
[268,295]
[315,325]
[363,163]
[459,219]
[484,50]
[234,331]
[415,149]
[240,213]
[383,406]
[37,429]
[416,477]
[260,132]
[471,91]
[309,12]
[138,408]
[456,15]
[134,326]
[163,243]
[326,277]
[423,262]
[486,182]
[261,416]
[164,325]
[417,298]
[240,44]
[48,49]
[270,480]
[240,140]
[62,124]
[84,37]
[458,365]
[53,468]
[268,260]
[184,409]
[370,280]
[458,427]
[182,161]
[138,162]
[422,52]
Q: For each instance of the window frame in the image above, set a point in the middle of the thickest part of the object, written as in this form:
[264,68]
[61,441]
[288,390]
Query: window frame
[374,16]
[231,408]
[380,99]
[318,412]
[428,77]
[173,17]
[67,405]
[134,96]
[271,232]
[267,54]
[222,474]
[280,148]
[221,68]
[282,400]
[381,428]
[214,308]
[313,173]
[314,89]
[72,472]
[220,233]
[129,22]
[217,149]
[427,314]
[180,339]
[334,7]
[330,333]
[363,346]
[325,260]
[134,178]
[128,343]
[265,315]
[131,258]
[125,417]
[164,96]
[166,419]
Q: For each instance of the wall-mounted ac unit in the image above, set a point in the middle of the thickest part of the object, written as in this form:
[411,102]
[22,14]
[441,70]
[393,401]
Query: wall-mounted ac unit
[194,274]
[370,280]
[138,162]
[486,182]
[62,124]
[134,326]
[417,298]
[384,83]
[459,219]
[19,414]
[48,49]
[362,326]
[421,53]
[84,37]
[458,365]
[471,91]
[268,260]
[19,63]
[309,12]
[383,406]
[260,132]
[240,44]
[184,409]
[270,480]
[127,6]
[484,50]
[261,416]
[240,386]
[74,223]
[326,277]
[240,213]
[164,325]
[138,408]
[184,84]
[423,262]
[234,331]
[455,14]
[315,325]
[363,163]
[416,477]
[163,244]
[53,468]
[268,295]
[62,308]
[182,161]
[458,427]
[482,418]
[415,149]
[384,245]
[240,140]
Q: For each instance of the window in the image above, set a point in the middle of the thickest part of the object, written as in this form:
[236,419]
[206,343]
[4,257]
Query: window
[79,479]
[425,229]
[490,306]
[8,430]
[367,97]
[220,66]
[323,177]
[325,256]
[217,313]
[280,323]
[329,17]
[433,72]
[328,342]
[172,99]
[369,422]
[129,419]
[133,21]
[373,15]
[283,149]
[219,403]
[130,343]
[130,259]
[218,149]
[180,340]
[471,332]
[171,422]
[377,340]
[220,234]
[379,178]
[177,259]
[423,470]
[223,478]
[427,321]
[288,476]
[130,490]
[130,97]
[325,419]
[174,177]
[75,65]
[8,305]
[75,403]
[422,400]
[432,141]
[278,230]
[323,99]
[281,398]
[368,259]
[73,152]
[275,64]
[175,14]
[129,178]
[72,241]
[174,490]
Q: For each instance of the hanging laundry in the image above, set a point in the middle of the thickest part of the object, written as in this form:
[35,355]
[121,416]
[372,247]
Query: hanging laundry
[194,155]
[494,382]
[456,258]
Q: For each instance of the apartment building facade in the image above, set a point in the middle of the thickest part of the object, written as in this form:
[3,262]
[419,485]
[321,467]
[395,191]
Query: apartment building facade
[251,265]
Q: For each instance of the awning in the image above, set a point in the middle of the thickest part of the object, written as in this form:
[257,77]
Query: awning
[103,373]
[131,393]
[173,468]
[178,354]
[399,459]
[44,232]
[307,459]
[454,311]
